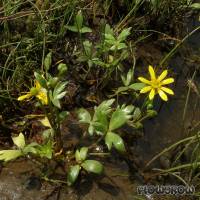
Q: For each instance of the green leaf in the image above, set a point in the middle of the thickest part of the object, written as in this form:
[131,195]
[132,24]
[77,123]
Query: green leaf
[91,130]
[105,106]
[121,46]
[73,174]
[82,58]
[7,155]
[53,81]
[120,90]
[120,117]
[137,125]
[110,39]
[62,68]
[48,61]
[82,154]
[154,3]
[45,122]
[56,103]
[19,141]
[101,122]
[31,148]
[137,86]
[59,89]
[47,134]
[129,77]
[114,139]
[72,28]
[85,30]
[195,6]
[87,47]
[124,34]
[61,95]
[84,115]
[63,115]
[108,30]
[42,81]
[151,113]
[79,20]
[136,113]
[92,166]
[127,109]
[58,93]
[77,156]
[45,150]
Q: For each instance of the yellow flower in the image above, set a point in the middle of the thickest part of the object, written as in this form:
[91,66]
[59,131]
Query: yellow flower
[156,85]
[38,91]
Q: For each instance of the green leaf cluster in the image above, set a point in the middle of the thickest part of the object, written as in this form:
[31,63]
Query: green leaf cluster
[128,84]
[91,166]
[106,121]
[114,43]
[58,93]
[23,149]
[108,53]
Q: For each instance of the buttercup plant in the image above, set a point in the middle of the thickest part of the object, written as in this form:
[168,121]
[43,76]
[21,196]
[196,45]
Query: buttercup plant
[49,91]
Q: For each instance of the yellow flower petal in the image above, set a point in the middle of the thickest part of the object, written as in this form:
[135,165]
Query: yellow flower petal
[37,85]
[145,89]
[152,73]
[167,81]
[162,95]
[144,80]
[167,90]
[163,75]
[42,96]
[152,94]
[26,96]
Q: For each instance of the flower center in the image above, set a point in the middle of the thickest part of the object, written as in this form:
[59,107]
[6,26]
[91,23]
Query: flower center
[155,84]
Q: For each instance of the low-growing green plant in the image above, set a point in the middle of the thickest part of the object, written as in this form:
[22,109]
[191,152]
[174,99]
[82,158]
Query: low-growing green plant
[24,149]
[108,53]
[49,91]
[106,121]
[78,25]
[82,163]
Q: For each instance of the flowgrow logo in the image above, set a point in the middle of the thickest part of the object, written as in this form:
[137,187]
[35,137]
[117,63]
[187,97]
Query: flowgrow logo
[165,190]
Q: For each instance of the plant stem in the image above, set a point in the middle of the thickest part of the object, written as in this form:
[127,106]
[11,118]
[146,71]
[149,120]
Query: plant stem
[189,165]
[55,124]
[58,138]
[171,147]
